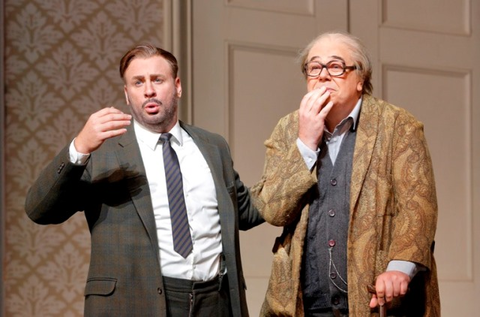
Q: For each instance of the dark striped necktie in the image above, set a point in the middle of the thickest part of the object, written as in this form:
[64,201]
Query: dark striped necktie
[182,241]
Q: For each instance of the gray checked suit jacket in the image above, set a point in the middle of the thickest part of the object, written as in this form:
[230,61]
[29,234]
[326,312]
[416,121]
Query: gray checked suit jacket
[124,277]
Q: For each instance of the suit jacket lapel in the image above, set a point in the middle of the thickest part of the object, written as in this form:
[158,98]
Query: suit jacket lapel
[130,159]
[366,137]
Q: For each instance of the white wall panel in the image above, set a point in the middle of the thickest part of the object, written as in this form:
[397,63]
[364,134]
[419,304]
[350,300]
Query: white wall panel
[440,16]
[265,84]
[304,7]
[442,103]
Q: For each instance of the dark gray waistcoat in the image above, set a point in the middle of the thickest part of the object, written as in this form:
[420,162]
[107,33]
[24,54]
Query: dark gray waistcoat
[324,271]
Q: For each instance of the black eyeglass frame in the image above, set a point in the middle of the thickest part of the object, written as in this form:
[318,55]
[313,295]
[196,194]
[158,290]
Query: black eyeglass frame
[344,68]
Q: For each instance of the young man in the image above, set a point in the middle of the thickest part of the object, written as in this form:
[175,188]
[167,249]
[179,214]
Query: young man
[156,250]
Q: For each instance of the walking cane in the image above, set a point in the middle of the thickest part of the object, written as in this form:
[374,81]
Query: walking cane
[382,309]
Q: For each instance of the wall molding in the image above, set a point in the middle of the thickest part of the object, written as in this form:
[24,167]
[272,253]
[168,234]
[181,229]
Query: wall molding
[178,39]
[2,161]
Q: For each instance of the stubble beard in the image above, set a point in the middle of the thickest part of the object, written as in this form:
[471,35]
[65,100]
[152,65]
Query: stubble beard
[162,121]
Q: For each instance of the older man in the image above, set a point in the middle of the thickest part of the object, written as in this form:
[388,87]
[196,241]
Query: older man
[350,179]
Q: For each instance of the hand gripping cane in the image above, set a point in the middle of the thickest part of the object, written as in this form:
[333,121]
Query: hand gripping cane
[382,309]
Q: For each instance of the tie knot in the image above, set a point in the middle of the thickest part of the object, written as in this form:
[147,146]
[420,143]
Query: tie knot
[165,137]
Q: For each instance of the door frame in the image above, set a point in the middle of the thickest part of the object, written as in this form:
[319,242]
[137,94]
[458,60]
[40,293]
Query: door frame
[178,40]
[2,161]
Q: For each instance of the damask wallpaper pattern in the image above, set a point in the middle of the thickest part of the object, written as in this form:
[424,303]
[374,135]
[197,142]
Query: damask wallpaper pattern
[61,61]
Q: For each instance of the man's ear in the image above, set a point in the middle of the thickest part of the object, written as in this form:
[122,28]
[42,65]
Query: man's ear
[126,95]
[360,86]
[178,86]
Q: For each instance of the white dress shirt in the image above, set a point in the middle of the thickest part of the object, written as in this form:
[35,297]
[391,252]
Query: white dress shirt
[203,263]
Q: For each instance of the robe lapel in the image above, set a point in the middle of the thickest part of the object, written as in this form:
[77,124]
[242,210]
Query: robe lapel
[366,137]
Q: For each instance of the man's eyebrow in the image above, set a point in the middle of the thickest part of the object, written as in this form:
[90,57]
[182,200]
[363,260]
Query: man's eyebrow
[151,76]
[337,57]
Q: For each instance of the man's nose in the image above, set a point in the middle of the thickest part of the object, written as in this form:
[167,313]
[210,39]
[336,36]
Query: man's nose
[149,90]
[324,74]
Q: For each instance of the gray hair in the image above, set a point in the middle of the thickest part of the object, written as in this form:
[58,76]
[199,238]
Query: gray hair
[359,55]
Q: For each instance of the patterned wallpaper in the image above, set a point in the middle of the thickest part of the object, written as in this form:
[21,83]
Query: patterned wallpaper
[61,61]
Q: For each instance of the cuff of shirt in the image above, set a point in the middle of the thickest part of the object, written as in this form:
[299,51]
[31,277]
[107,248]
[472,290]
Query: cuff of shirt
[309,156]
[77,157]
[406,267]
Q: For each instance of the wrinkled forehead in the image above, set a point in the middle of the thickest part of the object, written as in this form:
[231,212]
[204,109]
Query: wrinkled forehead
[327,49]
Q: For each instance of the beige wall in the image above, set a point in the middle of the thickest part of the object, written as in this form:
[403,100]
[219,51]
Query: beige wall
[61,64]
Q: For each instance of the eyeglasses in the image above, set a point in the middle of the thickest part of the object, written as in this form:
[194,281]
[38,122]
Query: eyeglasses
[334,68]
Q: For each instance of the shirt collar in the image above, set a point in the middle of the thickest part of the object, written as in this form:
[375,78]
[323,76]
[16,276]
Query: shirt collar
[349,122]
[151,139]
[356,113]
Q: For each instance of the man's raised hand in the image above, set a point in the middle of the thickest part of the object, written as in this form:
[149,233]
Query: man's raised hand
[100,126]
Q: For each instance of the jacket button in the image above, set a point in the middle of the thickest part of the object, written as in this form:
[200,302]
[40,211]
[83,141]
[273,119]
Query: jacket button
[331,213]
[331,243]
[60,168]
[160,291]
[335,300]
[333,182]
